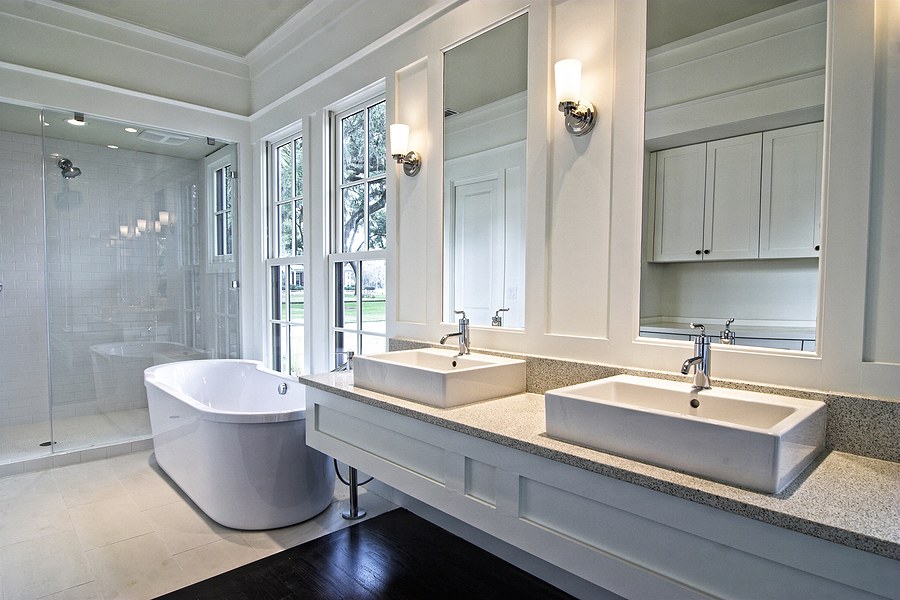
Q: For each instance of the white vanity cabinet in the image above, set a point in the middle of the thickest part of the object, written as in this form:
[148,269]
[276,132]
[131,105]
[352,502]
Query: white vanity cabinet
[631,540]
[791,200]
[746,197]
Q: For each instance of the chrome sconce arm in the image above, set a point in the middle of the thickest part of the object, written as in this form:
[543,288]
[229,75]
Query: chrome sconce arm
[580,116]
[411,161]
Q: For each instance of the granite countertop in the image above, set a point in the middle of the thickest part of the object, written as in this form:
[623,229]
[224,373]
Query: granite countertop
[843,498]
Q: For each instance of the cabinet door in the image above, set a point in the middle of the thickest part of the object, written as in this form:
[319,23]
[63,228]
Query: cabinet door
[791,192]
[678,196]
[731,214]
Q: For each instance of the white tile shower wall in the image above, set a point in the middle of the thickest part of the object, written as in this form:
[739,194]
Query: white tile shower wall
[23,333]
[109,281]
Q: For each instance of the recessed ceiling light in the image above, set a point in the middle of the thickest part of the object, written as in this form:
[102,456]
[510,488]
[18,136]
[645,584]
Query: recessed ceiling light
[77,120]
[131,130]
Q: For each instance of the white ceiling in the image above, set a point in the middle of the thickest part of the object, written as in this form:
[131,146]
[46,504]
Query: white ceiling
[232,26]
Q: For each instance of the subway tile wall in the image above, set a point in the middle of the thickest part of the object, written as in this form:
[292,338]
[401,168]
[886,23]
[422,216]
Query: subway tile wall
[23,334]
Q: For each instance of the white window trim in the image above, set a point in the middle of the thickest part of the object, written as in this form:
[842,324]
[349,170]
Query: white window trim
[273,245]
[362,99]
[216,263]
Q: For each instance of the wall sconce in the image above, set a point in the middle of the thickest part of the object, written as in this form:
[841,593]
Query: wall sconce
[412,160]
[580,115]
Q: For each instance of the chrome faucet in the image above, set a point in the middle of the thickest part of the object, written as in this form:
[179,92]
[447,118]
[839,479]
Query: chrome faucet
[347,366]
[497,319]
[727,336]
[700,360]
[462,334]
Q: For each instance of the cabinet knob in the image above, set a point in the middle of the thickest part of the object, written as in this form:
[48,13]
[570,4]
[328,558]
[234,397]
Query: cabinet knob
[706,252]
[817,247]
[697,252]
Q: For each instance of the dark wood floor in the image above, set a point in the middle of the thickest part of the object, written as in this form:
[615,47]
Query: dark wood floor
[394,556]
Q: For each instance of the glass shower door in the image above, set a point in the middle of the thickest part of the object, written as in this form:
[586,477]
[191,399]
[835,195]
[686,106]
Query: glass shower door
[130,279]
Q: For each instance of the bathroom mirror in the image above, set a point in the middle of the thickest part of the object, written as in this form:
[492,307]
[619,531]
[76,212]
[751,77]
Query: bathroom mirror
[733,170]
[485,84]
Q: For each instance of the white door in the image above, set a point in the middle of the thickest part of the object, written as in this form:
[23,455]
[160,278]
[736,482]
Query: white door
[484,236]
[479,240]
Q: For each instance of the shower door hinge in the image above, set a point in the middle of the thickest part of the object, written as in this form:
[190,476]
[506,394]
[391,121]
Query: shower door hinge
[235,284]
[233,174]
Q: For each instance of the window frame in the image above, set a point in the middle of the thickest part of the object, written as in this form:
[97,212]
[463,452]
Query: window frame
[275,260]
[226,163]
[337,255]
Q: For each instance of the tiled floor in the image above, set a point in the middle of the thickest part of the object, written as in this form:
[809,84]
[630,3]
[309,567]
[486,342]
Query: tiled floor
[119,528]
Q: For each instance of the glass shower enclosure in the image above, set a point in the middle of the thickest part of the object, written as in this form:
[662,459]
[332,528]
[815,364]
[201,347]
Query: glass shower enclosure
[119,248]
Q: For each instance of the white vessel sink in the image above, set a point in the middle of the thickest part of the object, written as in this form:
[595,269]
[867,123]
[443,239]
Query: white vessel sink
[439,377]
[758,441]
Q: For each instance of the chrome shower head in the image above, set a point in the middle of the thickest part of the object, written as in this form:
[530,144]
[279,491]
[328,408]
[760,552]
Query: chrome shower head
[69,171]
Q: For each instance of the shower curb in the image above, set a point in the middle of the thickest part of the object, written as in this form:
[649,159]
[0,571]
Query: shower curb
[62,459]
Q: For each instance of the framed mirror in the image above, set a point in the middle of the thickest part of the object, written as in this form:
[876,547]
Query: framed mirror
[733,170]
[485,116]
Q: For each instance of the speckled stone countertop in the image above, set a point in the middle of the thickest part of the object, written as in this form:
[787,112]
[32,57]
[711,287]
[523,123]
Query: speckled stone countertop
[843,498]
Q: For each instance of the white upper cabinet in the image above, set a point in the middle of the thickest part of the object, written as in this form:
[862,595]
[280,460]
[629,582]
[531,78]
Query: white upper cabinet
[731,212]
[747,197]
[791,206]
[680,186]
[706,200]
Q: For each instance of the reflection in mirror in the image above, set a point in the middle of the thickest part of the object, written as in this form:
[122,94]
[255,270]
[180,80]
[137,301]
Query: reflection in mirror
[733,170]
[485,83]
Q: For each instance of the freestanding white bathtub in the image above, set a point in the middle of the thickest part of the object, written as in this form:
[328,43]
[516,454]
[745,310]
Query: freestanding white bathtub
[232,435]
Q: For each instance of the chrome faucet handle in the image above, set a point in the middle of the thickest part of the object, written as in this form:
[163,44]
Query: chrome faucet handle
[701,327]
[460,312]
[497,320]
[726,336]
[348,364]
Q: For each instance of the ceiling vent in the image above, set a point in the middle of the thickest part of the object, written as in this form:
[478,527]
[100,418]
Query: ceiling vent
[162,137]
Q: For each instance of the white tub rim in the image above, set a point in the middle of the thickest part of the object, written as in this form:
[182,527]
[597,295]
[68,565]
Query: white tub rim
[227,416]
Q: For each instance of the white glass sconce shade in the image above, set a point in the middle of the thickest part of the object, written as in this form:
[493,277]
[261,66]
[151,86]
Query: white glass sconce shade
[411,160]
[399,139]
[568,80]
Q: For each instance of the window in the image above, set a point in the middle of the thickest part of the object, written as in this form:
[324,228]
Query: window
[359,216]
[216,292]
[221,203]
[286,265]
